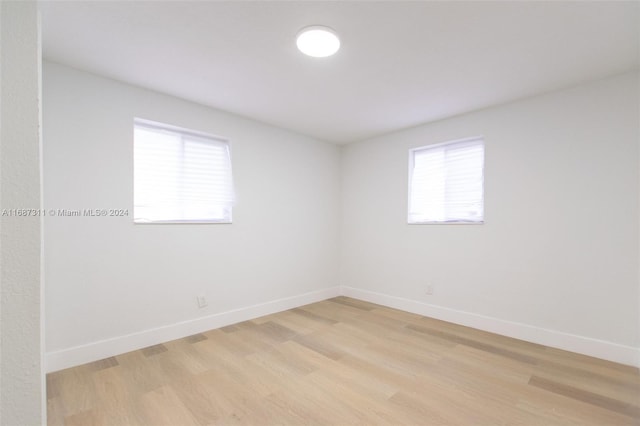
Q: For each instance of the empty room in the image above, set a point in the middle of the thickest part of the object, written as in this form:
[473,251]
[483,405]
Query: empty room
[319,212]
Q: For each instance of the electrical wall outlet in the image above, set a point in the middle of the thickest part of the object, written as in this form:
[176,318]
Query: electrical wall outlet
[428,290]
[202,302]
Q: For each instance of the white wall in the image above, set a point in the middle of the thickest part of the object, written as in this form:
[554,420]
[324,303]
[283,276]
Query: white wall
[108,278]
[557,259]
[21,376]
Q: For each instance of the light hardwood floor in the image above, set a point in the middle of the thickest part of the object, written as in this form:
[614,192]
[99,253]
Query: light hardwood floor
[345,362]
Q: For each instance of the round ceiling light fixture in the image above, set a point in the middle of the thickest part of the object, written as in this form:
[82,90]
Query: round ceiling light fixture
[318,41]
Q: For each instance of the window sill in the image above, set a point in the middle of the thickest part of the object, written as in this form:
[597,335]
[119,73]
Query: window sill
[447,223]
[183,222]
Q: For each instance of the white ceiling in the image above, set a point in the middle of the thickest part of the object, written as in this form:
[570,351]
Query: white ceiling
[401,63]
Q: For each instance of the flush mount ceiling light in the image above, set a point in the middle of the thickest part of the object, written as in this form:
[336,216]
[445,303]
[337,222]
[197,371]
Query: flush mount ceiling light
[318,41]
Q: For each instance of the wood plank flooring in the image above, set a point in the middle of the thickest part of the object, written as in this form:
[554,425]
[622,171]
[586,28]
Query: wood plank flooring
[345,362]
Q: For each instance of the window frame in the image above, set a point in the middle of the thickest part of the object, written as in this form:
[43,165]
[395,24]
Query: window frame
[155,125]
[412,152]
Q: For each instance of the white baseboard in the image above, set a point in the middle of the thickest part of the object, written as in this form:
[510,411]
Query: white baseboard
[94,351]
[570,342]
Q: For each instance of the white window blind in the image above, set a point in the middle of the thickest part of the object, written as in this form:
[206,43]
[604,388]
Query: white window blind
[180,176]
[446,182]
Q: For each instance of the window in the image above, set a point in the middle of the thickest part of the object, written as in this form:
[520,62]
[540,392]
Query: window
[180,176]
[446,182]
